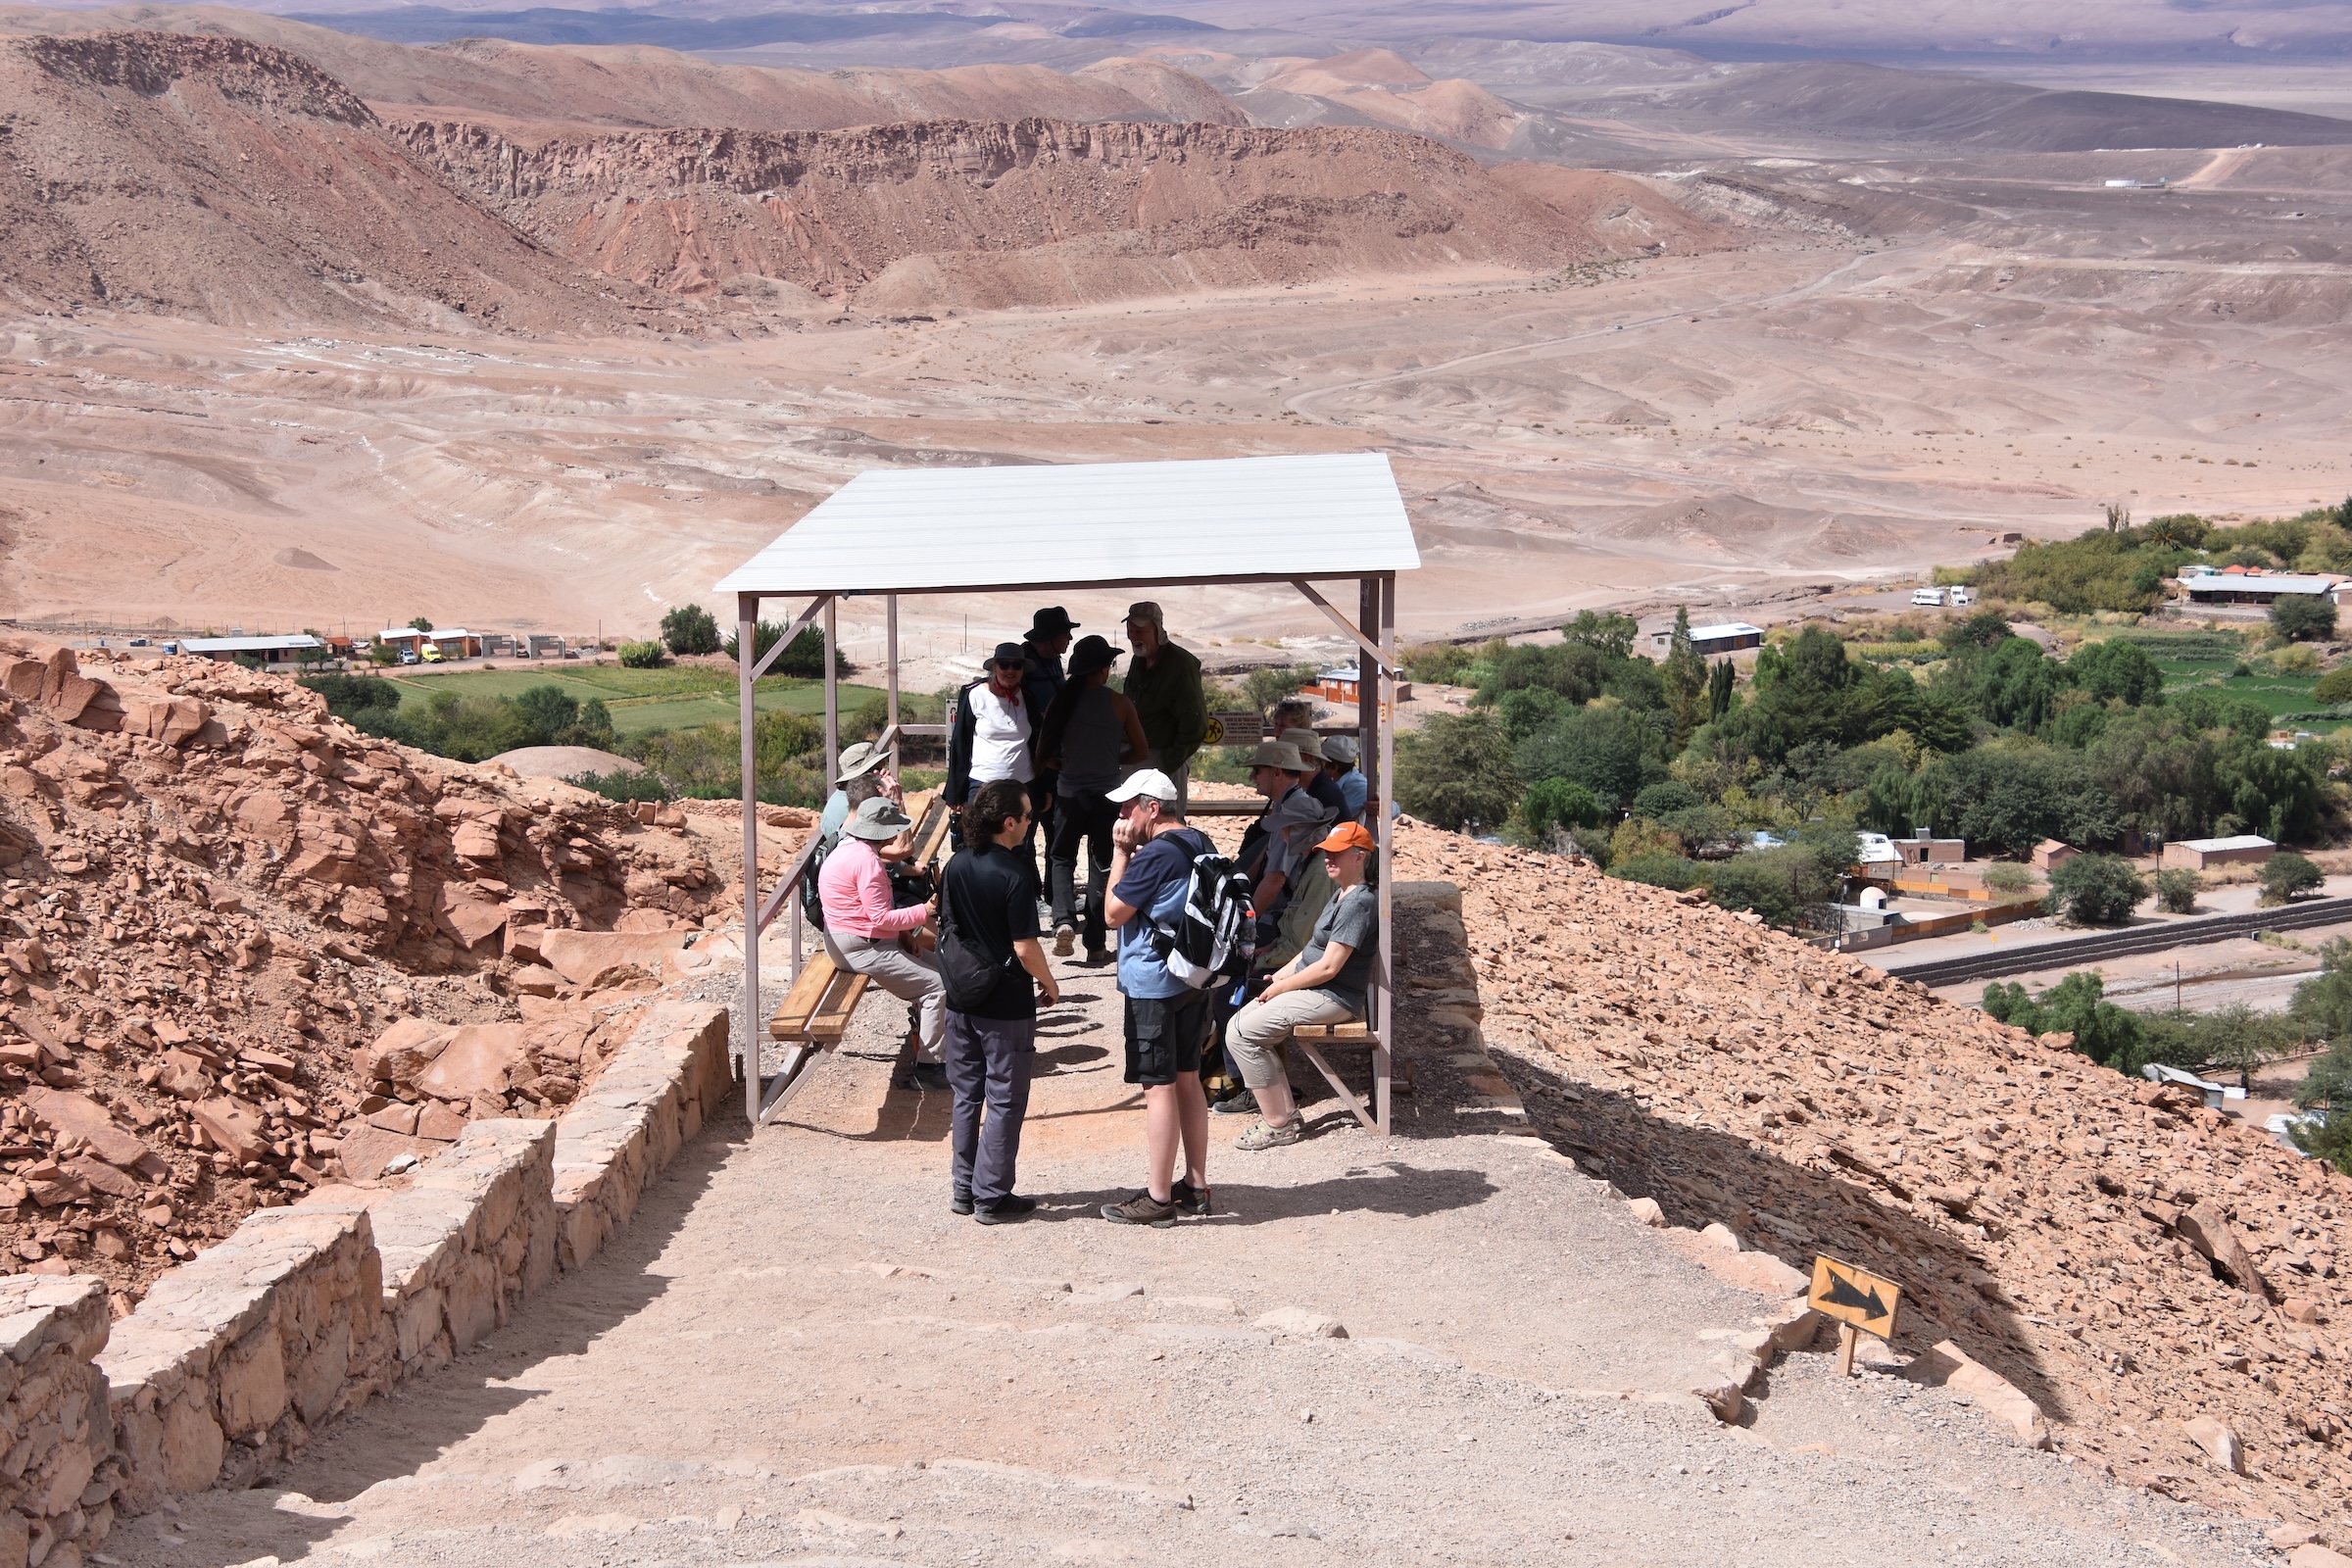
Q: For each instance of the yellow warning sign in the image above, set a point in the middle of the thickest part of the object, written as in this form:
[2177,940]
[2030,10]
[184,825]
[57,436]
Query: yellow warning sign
[1846,1293]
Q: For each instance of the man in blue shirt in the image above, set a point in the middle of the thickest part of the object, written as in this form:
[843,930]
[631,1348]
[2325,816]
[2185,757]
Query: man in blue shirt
[1340,754]
[1167,1020]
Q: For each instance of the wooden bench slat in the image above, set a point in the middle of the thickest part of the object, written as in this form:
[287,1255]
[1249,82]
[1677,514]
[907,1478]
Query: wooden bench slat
[807,994]
[1358,1032]
[832,1018]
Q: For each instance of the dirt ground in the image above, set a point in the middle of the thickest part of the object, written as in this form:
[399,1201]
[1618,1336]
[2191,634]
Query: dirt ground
[796,1351]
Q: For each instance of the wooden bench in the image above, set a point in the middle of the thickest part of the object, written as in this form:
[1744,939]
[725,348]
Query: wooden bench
[815,1012]
[1310,1038]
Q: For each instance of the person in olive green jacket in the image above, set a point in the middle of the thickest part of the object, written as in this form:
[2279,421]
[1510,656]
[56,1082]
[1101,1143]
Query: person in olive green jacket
[1164,685]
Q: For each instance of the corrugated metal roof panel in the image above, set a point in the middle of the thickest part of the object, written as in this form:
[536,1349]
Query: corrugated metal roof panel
[248,645]
[916,530]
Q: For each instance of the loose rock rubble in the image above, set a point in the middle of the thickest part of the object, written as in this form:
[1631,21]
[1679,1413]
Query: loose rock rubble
[219,901]
[2163,1282]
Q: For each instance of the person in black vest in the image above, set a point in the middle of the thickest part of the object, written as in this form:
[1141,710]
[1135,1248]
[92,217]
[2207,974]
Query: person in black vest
[988,899]
[1090,738]
[1047,640]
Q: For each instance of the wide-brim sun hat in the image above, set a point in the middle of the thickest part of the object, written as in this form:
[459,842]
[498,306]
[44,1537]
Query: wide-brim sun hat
[878,818]
[1309,744]
[1092,653]
[1278,754]
[861,759]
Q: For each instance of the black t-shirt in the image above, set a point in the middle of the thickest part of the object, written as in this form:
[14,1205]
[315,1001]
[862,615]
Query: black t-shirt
[989,893]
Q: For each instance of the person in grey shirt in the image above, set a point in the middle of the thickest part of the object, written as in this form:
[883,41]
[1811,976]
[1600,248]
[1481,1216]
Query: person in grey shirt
[1090,736]
[1327,983]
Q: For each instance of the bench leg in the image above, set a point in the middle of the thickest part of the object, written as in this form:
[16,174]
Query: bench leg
[1332,1078]
[788,1082]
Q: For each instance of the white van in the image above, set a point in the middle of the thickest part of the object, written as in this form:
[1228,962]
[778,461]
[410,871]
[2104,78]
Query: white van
[1962,598]
[1925,598]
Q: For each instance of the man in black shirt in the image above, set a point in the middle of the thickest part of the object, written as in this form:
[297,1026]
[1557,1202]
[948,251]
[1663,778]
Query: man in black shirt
[988,899]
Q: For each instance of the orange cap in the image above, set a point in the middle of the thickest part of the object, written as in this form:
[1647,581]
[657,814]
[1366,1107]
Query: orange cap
[1348,836]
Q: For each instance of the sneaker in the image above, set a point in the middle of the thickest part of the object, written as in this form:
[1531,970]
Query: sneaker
[1065,938]
[1241,1102]
[1010,1210]
[961,1204]
[1141,1210]
[1189,1199]
[1265,1135]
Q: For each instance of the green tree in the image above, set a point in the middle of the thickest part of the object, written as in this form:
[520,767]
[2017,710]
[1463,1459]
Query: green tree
[596,718]
[2007,795]
[1664,797]
[1556,803]
[1610,635]
[2335,687]
[2176,890]
[2076,1005]
[2303,617]
[548,707]
[420,624]
[1686,679]
[1457,769]
[2114,668]
[2096,890]
[2288,875]
[1722,679]
[689,630]
[1611,751]
[806,658]
[1266,687]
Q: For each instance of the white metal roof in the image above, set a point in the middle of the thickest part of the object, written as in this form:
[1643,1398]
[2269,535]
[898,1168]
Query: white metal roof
[248,645]
[2243,841]
[1730,628]
[394,634]
[2268,582]
[924,531]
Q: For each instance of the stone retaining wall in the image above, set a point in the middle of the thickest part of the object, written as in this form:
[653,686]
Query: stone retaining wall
[235,1358]
[54,1502]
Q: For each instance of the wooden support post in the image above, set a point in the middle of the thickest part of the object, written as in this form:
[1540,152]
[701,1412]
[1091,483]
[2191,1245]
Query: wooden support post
[832,699]
[890,635]
[1848,1336]
[746,622]
[1384,1021]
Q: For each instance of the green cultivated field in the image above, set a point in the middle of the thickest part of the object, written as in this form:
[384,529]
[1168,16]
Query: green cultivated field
[639,700]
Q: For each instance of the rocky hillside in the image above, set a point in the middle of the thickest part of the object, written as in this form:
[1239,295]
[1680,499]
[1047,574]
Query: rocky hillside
[1031,212]
[2153,1273]
[219,899]
[234,181]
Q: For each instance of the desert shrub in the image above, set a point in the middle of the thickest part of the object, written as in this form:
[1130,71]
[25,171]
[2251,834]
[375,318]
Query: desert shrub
[1638,836]
[2303,617]
[2288,875]
[347,695]
[1664,798]
[626,784]
[2096,890]
[1783,884]
[1556,803]
[1440,664]
[642,656]
[2295,659]
[2076,1005]
[2176,888]
[1457,769]
[2006,878]
[2336,686]
[1660,868]
[690,629]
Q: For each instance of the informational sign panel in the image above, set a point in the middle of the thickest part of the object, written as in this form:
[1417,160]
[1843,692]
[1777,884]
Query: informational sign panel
[1853,1298]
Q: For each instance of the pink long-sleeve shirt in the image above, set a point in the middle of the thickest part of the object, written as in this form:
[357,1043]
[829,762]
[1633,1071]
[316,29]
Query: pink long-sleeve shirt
[854,888]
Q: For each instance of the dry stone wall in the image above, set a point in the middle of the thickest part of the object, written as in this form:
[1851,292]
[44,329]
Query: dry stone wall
[53,1493]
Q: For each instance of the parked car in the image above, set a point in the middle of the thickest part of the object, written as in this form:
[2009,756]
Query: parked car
[1926,597]
[407,656]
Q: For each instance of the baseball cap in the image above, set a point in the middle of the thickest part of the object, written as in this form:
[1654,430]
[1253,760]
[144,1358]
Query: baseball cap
[1341,749]
[1350,836]
[1144,781]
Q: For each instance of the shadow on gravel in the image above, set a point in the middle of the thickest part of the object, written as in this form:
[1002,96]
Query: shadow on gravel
[1408,1191]
[1698,1175]
[398,1435]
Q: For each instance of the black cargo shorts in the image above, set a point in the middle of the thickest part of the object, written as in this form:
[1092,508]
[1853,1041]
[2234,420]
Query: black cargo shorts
[1165,1036]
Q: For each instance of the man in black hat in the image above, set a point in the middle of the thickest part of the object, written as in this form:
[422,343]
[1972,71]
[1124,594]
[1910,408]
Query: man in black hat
[1091,738]
[1049,639]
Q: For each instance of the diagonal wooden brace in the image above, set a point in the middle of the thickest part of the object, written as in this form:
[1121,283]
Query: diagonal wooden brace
[1371,649]
[1344,1093]
[789,632]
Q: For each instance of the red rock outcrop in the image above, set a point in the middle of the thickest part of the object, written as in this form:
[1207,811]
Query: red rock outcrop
[2128,1258]
[215,893]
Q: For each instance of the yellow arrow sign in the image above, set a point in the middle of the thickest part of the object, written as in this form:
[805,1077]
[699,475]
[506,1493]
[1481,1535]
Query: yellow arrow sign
[1848,1294]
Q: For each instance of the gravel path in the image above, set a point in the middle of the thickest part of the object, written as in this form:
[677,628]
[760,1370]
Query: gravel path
[797,1355]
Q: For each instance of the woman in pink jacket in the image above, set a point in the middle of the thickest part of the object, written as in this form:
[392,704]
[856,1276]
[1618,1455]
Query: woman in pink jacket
[864,934]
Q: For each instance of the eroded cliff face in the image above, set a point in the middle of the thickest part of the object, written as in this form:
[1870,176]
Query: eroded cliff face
[1034,212]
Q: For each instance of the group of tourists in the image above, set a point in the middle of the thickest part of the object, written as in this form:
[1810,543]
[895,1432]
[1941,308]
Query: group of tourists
[1213,954]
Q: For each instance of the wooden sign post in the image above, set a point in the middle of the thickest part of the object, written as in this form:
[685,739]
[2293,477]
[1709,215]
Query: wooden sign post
[1862,1303]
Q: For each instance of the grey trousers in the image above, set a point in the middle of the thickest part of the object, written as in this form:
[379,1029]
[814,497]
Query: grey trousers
[908,976]
[989,1063]
[1254,1034]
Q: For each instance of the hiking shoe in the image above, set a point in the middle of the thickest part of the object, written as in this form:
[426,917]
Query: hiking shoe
[1189,1199]
[1241,1102]
[961,1204]
[1010,1210]
[1065,938]
[1095,957]
[1265,1135]
[1141,1210]
[925,1077]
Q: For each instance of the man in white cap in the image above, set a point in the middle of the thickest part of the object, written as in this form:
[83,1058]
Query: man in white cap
[865,934]
[1152,852]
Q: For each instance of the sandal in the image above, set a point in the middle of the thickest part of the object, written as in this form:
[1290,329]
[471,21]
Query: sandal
[1265,1135]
